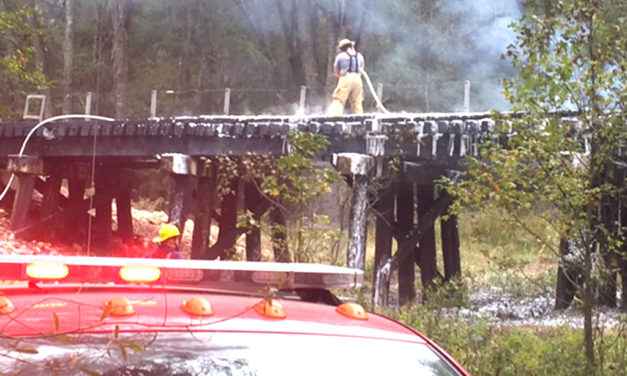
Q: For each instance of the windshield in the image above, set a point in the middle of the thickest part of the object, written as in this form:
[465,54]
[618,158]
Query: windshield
[184,354]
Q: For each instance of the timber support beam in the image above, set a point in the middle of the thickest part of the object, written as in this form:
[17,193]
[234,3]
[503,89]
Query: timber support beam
[356,166]
[26,168]
[182,169]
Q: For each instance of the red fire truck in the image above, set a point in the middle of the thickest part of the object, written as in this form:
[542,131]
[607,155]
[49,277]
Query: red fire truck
[119,316]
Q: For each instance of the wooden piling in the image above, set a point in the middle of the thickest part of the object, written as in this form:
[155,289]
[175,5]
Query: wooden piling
[427,260]
[384,209]
[355,167]
[124,214]
[183,170]
[252,196]
[450,248]
[75,227]
[26,169]
[180,199]
[356,257]
[405,222]
[102,222]
[22,201]
[50,203]
[203,215]
[228,224]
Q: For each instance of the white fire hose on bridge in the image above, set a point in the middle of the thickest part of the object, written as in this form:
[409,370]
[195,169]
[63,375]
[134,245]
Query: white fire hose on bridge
[374,93]
[34,129]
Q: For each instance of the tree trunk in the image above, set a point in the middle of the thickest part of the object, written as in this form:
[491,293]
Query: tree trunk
[40,58]
[97,53]
[120,16]
[68,52]
[305,43]
[16,106]
[183,85]
[202,42]
[588,302]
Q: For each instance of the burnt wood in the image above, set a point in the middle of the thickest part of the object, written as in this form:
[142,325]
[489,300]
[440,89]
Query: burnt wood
[426,257]
[405,255]
[205,200]
[450,248]
[384,212]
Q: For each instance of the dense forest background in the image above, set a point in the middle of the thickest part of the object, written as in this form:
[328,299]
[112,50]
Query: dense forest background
[190,51]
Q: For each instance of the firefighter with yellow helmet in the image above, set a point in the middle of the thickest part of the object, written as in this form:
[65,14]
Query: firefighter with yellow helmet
[167,242]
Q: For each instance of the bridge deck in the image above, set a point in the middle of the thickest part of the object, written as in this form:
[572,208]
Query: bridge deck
[414,136]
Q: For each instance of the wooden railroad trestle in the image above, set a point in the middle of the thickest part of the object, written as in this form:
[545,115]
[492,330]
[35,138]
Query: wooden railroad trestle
[421,147]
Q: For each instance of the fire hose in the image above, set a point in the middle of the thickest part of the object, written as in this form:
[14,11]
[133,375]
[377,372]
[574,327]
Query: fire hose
[373,92]
[32,131]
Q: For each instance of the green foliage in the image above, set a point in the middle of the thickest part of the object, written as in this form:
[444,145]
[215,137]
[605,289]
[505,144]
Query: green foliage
[489,349]
[293,182]
[569,59]
[17,67]
[297,180]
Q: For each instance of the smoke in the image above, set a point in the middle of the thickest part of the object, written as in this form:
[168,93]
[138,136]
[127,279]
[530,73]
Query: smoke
[434,46]
[422,51]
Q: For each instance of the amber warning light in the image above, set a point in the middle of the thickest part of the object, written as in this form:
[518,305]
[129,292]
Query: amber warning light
[140,274]
[47,271]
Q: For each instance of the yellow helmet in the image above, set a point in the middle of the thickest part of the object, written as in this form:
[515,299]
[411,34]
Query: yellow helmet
[167,231]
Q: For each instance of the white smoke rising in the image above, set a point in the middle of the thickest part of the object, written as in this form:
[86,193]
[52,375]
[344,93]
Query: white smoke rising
[447,42]
[423,48]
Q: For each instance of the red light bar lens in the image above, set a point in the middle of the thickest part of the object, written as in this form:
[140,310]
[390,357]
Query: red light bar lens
[184,275]
[140,273]
[47,271]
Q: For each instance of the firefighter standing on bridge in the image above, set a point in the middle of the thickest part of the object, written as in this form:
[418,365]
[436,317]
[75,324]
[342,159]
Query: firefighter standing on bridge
[347,67]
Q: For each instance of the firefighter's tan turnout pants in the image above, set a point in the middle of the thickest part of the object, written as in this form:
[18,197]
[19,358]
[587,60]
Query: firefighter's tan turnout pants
[349,86]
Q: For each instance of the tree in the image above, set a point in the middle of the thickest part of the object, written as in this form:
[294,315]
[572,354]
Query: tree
[68,56]
[571,63]
[19,71]
[120,15]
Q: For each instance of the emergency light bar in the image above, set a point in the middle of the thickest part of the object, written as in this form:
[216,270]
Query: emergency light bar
[174,273]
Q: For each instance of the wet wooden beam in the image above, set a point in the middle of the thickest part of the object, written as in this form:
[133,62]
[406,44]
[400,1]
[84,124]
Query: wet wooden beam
[356,257]
[22,200]
[102,231]
[450,248]
[384,210]
[26,169]
[357,167]
[229,232]
[180,199]
[427,249]
[252,197]
[405,199]
[205,201]
[124,213]
[183,170]
[51,193]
